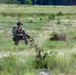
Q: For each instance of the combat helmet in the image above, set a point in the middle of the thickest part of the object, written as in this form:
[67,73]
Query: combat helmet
[19,23]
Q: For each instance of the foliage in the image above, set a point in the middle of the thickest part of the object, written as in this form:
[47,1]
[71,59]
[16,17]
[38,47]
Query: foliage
[59,13]
[40,2]
[28,2]
[15,65]
[56,37]
[52,17]
[58,21]
[11,2]
[59,57]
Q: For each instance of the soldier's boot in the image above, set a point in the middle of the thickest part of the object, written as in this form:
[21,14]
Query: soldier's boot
[26,42]
[16,42]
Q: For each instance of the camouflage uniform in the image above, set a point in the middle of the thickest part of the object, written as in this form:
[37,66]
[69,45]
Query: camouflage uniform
[16,35]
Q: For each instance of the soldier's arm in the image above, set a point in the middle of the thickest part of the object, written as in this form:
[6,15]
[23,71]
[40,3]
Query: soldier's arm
[15,33]
[25,33]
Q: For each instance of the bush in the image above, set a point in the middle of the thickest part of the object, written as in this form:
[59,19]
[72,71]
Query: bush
[28,2]
[44,59]
[41,18]
[55,36]
[47,60]
[59,13]
[58,21]
[52,17]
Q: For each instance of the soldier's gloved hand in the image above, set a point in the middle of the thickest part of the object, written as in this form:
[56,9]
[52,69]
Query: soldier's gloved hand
[28,37]
[21,34]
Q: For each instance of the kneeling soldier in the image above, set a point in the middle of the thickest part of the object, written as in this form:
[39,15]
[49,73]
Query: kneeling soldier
[19,34]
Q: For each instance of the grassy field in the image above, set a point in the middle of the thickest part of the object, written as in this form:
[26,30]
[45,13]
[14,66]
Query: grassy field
[39,22]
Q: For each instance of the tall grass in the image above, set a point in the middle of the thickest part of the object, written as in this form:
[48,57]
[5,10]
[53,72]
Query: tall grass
[61,55]
[25,10]
[15,65]
[6,41]
[64,62]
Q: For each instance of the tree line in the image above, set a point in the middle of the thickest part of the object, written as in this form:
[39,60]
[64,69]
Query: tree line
[40,2]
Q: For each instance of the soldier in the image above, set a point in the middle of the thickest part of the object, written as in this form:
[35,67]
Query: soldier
[19,34]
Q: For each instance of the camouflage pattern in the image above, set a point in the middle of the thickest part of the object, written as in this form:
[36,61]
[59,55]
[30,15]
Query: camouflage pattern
[16,31]
[16,35]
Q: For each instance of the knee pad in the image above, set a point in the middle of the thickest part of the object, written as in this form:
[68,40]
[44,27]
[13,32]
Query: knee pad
[14,38]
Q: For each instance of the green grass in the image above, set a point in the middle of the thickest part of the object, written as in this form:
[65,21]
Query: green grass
[61,58]
[58,44]
[58,61]
[25,10]
[15,65]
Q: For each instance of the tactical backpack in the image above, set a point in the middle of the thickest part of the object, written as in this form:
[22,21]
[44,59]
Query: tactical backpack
[13,29]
